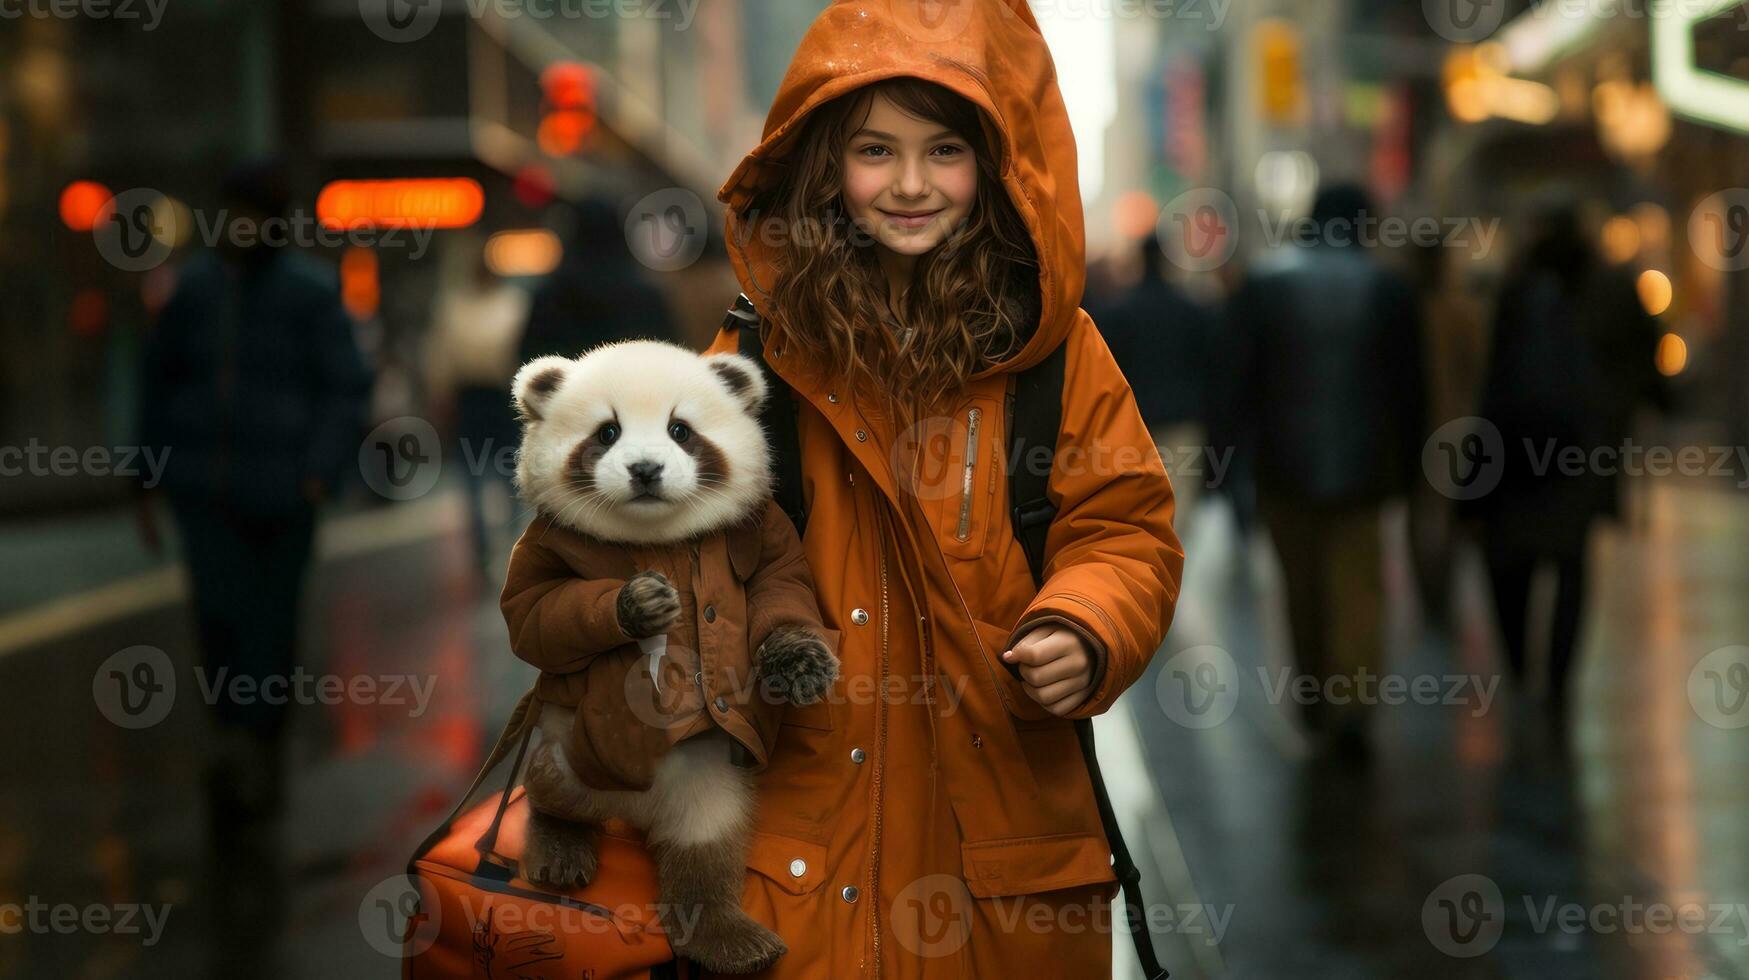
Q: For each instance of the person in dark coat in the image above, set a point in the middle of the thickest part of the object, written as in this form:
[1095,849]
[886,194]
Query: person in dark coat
[1572,358]
[1159,338]
[255,387]
[1328,402]
[599,292]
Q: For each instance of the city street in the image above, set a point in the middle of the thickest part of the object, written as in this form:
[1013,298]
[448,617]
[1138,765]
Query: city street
[1263,860]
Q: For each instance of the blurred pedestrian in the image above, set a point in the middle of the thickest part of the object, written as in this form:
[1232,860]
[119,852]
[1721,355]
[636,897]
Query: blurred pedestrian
[255,388]
[1329,401]
[1455,330]
[1159,338]
[470,357]
[597,294]
[1571,358]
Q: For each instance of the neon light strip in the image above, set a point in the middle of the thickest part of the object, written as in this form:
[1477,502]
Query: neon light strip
[1702,95]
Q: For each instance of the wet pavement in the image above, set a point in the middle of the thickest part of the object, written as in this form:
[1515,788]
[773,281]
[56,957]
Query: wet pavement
[1473,846]
[1467,849]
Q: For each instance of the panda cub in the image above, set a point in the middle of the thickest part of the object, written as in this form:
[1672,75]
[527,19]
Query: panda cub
[665,598]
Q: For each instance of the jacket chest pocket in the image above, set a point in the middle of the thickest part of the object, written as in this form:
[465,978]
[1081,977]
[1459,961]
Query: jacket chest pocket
[955,467]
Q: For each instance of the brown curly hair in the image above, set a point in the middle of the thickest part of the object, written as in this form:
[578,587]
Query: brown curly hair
[972,300]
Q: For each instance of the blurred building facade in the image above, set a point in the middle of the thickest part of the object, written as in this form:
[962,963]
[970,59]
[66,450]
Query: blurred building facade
[1439,116]
[90,107]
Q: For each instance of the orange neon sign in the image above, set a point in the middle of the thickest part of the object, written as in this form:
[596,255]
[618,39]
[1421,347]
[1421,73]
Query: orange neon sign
[440,202]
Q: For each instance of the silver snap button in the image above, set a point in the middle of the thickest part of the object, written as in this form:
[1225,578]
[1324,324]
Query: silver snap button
[797,868]
[698,678]
[832,396]
[857,755]
[859,617]
[710,614]
[722,704]
[850,893]
[861,436]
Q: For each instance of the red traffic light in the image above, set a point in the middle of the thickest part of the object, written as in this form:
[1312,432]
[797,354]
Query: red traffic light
[568,85]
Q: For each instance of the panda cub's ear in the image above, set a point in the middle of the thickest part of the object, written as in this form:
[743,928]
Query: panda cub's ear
[535,384]
[742,377]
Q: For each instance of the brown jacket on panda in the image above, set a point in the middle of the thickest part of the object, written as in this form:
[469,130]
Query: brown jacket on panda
[735,586]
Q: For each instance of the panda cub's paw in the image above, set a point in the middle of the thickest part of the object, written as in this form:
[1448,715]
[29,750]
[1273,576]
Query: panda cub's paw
[799,665]
[648,605]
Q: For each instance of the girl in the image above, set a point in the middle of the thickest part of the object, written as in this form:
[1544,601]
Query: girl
[910,232]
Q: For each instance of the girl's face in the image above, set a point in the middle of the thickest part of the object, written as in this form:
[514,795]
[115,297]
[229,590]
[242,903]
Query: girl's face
[908,181]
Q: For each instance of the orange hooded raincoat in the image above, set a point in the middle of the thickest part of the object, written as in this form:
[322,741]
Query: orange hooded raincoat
[928,820]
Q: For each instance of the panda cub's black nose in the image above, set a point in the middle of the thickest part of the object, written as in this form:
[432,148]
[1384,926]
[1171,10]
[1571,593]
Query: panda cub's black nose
[645,473]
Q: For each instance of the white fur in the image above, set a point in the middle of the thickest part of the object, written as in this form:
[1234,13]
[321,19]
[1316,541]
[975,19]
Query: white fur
[698,796]
[645,385]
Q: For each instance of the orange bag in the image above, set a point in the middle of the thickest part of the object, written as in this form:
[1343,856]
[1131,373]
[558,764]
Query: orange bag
[477,916]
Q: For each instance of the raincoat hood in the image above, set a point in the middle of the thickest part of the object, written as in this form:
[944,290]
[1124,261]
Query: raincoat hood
[988,51]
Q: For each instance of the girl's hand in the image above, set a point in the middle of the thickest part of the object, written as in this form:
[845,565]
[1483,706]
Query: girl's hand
[1056,668]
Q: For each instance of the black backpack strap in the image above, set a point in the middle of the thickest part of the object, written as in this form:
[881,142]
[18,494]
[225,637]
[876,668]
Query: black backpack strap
[777,417]
[1035,415]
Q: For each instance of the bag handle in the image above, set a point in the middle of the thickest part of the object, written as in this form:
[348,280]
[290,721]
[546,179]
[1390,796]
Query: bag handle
[521,724]
[489,841]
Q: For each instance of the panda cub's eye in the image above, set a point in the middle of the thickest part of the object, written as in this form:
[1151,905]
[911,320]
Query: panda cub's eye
[679,432]
[607,434]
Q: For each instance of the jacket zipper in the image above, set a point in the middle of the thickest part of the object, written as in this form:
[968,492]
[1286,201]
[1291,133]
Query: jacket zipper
[964,530]
[880,764]
[697,575]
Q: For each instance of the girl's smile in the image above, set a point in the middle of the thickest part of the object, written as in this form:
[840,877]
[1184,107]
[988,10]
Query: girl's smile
[912,221]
